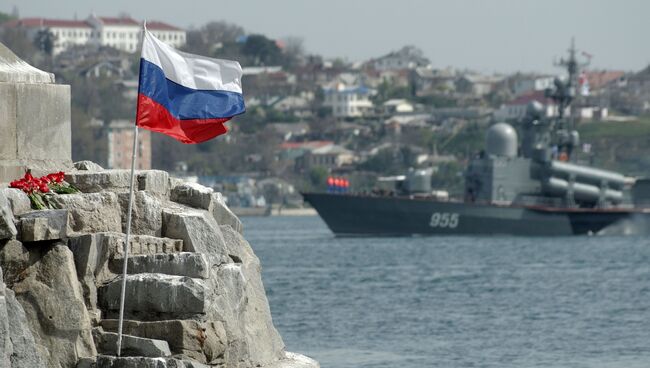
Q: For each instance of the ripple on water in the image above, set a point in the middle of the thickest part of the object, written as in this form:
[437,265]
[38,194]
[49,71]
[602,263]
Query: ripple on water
[455,301]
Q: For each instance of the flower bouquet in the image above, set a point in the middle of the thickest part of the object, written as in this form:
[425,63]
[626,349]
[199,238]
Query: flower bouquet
[38,189]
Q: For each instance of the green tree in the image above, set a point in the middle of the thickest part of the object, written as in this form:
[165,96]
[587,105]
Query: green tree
[218,39]
[318,177]
[5,17]
[262,51]
[44,41]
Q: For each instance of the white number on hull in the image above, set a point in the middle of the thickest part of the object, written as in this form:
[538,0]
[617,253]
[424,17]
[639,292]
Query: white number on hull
[444,220]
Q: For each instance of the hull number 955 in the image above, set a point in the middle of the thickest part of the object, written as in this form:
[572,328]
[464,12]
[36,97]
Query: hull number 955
[444,219]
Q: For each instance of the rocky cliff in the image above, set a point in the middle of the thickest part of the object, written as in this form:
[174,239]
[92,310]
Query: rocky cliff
[195,296]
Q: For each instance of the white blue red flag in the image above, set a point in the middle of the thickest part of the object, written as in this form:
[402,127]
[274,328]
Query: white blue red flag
[188,97]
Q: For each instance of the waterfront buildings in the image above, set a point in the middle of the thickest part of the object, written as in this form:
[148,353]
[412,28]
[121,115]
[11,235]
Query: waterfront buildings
[122,33]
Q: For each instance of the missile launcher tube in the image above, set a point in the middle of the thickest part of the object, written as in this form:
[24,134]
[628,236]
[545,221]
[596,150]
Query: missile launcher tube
[587,174]
[581,191]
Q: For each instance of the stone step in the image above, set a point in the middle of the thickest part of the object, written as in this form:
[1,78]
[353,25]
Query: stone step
[155,292]
[106,343]
[188,264]
[107,361]
[203,341]
[141,244]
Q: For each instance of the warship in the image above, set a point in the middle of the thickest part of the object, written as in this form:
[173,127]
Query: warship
[532,187]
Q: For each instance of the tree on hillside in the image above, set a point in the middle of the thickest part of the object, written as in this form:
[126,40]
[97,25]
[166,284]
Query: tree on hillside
[217,39]
[260,50]
[222,32]
[5,17]
[44,41]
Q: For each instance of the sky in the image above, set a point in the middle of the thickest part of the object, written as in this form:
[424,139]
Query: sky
[485,35]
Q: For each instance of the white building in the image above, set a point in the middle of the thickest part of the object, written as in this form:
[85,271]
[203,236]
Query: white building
[533,83]
[396,106]
[347,102]
[66,32]
[122,33]
[408,57]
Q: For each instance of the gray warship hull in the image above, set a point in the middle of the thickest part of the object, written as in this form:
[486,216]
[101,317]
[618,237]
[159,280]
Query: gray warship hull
[360,215]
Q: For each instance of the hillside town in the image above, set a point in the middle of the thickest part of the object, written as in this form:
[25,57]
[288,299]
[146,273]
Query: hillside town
[308,117]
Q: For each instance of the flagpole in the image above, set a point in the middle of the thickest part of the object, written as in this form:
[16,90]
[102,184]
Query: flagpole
[129,215]
[126,242]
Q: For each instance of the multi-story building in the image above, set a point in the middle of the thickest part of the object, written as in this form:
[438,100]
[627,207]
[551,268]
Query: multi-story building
[120,146]
[66,32]
[123,33]
[349,102]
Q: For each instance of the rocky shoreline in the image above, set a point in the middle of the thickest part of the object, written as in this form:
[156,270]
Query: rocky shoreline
[195,296]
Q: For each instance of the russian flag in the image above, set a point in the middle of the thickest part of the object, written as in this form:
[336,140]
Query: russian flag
[188,97]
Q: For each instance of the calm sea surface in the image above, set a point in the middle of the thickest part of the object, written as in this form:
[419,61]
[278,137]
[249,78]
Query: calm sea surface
[455,301]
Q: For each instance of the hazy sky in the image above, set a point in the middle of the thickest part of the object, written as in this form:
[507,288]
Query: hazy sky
[497,35]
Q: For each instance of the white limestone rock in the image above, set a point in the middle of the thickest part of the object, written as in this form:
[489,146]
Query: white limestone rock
[18,200]
[106,343]
[155,182]
[91,256]
[223,215]
[294,360]
[44,225]
[90,212]
[100,181]
[187,264]
[203,341]
[198,230]
[156,293]
[107,361]
[7,226]
[241,303]
[87,166]
[45,283]
[193,195]
[24,351]
[146,214]
[140,245]
[6,346]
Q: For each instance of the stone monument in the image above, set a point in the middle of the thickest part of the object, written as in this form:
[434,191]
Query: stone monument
[34,119]
[195,297]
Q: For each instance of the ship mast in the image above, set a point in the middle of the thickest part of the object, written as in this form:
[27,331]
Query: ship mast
[565,91]
[563,94]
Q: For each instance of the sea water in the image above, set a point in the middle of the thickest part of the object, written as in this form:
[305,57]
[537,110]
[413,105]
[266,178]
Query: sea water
[455,301]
